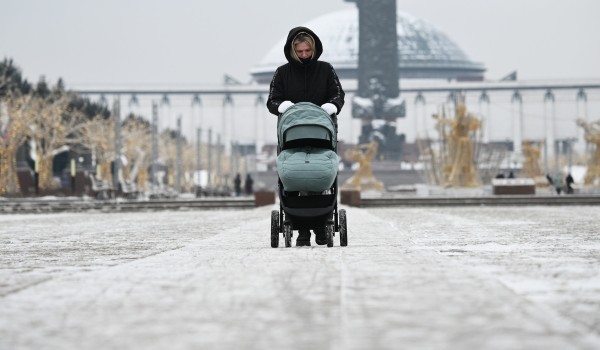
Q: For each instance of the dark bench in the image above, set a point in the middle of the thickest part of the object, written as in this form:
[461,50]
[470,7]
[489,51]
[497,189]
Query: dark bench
[100,188]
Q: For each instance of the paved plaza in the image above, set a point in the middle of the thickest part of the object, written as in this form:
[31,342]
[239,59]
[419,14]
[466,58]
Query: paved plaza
[411,278]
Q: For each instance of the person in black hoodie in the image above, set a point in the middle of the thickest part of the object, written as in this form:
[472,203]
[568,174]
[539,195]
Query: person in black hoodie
[305,79]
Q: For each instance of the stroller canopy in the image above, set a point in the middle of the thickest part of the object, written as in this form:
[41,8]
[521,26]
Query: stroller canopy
[305,120]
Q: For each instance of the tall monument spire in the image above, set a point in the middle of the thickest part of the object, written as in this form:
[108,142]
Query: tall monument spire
[378,96]
[378,46]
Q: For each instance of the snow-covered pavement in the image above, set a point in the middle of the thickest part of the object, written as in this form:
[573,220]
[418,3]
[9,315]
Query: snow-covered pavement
[411,278]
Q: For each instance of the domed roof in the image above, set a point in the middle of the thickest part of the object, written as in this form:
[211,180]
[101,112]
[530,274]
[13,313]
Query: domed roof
[423,51]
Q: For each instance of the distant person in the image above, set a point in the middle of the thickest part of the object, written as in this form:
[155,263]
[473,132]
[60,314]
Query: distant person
[511,175]
[305,79]
[569,181]
[558,185]
[237,184]
[248,185]
[553,183]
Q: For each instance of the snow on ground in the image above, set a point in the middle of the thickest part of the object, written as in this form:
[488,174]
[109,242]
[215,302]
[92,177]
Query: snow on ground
[417,278]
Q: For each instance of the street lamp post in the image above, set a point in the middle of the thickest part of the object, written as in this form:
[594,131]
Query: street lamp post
[219,156]
[179,156]
[197,102]
[154,146]
[419,115]
[484,100]
[73,173]
[197,177]
[517,114]
[209,165]
[117,161]
[582,112]
[550,131]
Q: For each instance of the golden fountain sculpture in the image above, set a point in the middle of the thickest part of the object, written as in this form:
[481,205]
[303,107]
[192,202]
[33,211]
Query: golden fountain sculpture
[363,179]
[459,168]
[531,160]
[531,163]
[592,136]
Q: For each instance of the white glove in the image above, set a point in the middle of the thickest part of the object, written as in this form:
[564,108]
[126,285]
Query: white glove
[284,106]
[330,108]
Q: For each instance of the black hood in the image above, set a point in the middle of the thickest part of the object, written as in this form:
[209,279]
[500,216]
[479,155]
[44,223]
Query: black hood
[288,44]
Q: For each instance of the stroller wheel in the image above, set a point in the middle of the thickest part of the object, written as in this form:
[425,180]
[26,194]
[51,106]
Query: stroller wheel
[343,228]
[329,231]
[287,234]
[274,229]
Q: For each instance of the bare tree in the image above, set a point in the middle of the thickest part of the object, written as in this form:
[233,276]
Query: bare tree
[137,143]
[98,134]
[16,114]
[189,165]
[55,126]
[168,154]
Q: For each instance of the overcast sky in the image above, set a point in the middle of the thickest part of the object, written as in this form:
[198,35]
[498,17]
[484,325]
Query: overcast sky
[186,43]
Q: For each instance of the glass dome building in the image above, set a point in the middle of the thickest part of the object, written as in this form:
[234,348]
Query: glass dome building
[424,52]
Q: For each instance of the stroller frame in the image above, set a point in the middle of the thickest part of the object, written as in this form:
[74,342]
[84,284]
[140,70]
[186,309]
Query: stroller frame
[308,211]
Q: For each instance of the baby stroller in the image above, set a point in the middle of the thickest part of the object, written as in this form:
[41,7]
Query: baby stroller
[307,169]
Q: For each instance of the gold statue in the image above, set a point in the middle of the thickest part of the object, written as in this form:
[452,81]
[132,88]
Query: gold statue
[363,179]
[592,136]
[531,154]
[531,164]
[459,170]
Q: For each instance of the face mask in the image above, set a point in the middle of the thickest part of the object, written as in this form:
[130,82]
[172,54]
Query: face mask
[305,60]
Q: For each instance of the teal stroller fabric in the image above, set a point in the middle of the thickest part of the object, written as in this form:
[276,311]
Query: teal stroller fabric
[302,120]
[305,167]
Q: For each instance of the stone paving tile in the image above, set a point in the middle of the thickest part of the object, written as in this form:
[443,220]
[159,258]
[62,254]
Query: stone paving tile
[419,278]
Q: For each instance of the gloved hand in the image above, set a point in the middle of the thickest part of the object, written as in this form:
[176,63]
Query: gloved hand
[284,106]
[330,108]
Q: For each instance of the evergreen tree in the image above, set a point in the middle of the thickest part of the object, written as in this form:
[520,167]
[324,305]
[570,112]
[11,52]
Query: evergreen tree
[10,77]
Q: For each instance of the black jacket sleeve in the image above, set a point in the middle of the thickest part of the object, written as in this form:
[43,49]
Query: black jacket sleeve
[335,90]
[275,93]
